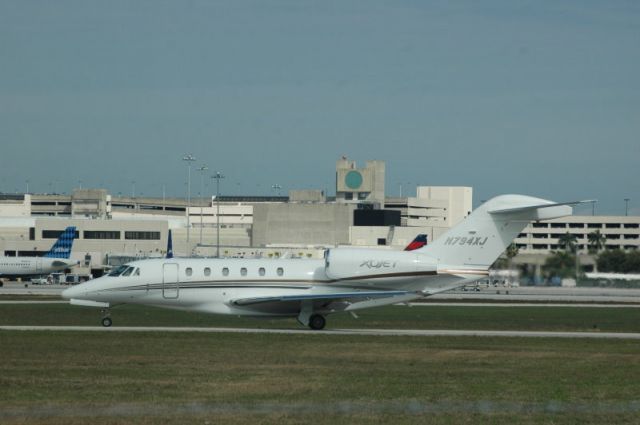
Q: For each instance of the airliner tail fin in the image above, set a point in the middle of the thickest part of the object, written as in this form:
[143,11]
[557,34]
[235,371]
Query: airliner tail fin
[62,247]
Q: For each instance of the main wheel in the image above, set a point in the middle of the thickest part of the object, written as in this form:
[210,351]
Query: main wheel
[317,322]
[106,322]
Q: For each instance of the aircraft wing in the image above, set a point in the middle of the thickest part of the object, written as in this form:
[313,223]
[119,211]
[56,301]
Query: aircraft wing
[332,297]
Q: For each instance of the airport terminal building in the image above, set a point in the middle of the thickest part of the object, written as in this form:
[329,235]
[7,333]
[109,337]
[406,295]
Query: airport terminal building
[114,229]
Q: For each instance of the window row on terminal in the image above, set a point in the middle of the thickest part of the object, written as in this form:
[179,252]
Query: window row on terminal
[101,234]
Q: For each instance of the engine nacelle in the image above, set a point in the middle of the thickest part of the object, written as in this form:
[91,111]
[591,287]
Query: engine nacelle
[345,263]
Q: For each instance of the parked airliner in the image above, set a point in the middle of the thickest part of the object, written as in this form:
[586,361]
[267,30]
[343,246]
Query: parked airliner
[346,280]
[55,260]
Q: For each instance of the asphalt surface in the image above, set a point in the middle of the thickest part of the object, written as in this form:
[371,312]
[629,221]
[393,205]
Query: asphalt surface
[363,332]
[432,304]
[500,293]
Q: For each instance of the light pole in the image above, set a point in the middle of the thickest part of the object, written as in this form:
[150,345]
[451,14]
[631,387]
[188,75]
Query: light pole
[164,198]
[27,187]
[217,176]
[626,206]
[593,207]
[188,158]
[133,188]
[202,170]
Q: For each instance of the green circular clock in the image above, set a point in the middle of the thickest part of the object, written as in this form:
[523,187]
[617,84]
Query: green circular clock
[353,180]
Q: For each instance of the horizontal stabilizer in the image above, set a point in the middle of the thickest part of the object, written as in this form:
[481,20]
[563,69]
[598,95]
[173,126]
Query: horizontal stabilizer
[535,207]
[334,297]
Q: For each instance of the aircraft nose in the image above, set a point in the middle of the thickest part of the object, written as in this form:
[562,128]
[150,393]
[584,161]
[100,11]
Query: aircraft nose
[73,292]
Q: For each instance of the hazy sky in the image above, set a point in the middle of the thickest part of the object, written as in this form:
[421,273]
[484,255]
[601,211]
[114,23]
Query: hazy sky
[532,97]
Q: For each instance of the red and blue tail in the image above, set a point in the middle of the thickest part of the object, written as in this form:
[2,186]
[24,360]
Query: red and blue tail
[418,242]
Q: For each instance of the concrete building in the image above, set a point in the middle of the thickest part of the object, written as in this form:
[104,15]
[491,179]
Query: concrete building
[621,232]
[96,238]
[433,211]
[360,184]
[301,224]
[436,206]
[15,205]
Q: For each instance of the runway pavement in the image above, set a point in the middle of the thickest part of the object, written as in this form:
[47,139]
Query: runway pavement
[33,302]
[495,294]
[518,304]
[22,288]
[419,304]
[346,332]
[543,293]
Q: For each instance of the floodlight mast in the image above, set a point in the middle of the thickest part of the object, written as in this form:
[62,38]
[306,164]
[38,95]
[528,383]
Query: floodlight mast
[202,170]
[188,158]
[218,175]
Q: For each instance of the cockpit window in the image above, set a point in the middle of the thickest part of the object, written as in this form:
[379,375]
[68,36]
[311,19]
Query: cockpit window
[128,271]
[137,272]
[118,270]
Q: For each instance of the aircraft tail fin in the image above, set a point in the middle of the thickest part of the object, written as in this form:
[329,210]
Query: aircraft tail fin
[169,246]
[418,242]
[62,247]
[476,242]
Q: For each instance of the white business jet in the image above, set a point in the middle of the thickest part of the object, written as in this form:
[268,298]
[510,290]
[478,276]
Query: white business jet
[345,280]
[55,260]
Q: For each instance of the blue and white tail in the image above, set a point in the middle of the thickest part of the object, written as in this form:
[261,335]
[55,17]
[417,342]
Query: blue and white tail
[476,242]
[169,246]
[62,247]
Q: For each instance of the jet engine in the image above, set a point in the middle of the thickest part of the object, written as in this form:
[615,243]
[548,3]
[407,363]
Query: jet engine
[353,263]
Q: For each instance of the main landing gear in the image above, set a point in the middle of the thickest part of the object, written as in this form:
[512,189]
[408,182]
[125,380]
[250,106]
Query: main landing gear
[307,317]
[317,322]
[106,318]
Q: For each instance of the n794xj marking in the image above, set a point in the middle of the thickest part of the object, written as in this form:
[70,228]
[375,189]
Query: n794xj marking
[346,280]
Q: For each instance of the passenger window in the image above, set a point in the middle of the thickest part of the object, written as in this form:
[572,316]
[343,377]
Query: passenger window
[189,271]
[128,271]
[207,271]
[280,271]
[243,271]
[225,271]
[261,271]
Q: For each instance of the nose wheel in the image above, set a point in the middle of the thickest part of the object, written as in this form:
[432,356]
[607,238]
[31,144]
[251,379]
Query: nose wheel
[106,320]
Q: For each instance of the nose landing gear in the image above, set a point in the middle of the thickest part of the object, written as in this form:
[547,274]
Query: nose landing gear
[106,318]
